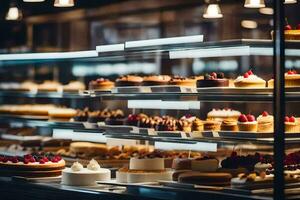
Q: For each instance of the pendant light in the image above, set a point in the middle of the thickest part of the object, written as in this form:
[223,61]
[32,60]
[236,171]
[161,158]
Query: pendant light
[254,4]
[213,11]
[64,3]
[14,13]
[290,1]
[33,1]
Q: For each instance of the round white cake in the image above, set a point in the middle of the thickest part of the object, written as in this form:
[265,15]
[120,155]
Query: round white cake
[79,176]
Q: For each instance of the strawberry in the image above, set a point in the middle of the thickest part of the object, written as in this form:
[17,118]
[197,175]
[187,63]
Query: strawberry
[250,72]
[214,75]
[286,119]
[298,27]
[288,27]
[290,72]
[250,118]
[45,159]
[243,118]
[246,75]
[32,160]
[265,113]
[42,161]
[26,161]
[292,119]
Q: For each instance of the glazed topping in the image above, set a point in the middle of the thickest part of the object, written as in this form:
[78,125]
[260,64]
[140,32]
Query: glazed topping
[76,167]
[93,165]
[291,119]
[214,76]
[246,118]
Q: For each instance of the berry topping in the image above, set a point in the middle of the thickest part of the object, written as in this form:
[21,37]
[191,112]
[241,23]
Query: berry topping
[42,161]
[32,160]
[288,27]
[250,118]
[246,75]
[207,77]
[265,113]
[291,72]
[286,119]
[220,75]
[14,160]
[45,159]
[214,75]
[243,118]
[292,119]
[250,72]
[26,161]
[298,27]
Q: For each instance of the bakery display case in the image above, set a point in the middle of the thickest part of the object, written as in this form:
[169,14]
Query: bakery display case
[196,132]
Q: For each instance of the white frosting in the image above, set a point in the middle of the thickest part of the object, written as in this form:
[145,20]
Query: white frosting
[189,119]
[223,113]
[261,167]
[250,78]
[93,165]
[76,167]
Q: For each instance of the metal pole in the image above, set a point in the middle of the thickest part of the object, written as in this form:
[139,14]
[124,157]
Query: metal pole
[279,99]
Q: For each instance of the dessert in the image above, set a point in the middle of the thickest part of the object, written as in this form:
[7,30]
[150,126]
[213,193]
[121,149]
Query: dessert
[32,165]
[212,125]
[249,80]
[213,80]
[265,123]
[81,115]
[61,113]
[88,149]
[73,86]
[49,86]
[291,125]
[116,117]
[182,81]
[291,79]
[209,179]
[221,114]
[291,34]
[197,125]
[229,125]
[247,123]
[262,167]
[95,116]
[129,80]
[77,175]
[182,164]
[205,164]
[101,84]
[156,80]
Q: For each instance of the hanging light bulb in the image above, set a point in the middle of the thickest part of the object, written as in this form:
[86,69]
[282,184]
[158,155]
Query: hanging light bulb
[14,13]
[289,1]
[64,3]
[213,11]
[33,1]
[254,4]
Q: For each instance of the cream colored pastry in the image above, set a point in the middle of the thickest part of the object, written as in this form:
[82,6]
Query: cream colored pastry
[73,86]
[49,86]
[249,80]
[265,123]
[62,113]
[221,114]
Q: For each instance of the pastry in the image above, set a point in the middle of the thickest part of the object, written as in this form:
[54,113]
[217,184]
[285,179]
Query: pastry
[249,80]
[213,80]
[101,84]
[32,165]
[77,175]
[182,164]
[291,79]
[156,80]
[212,125]
[116,117]
[49,86]
[73,86]
[95,116]
[205,164]
[265,123]
[247,123]
[129,80]
[88,149]
[197,125]
[81,115]
[209,179]
[61,113]
[292,34]
[229,125]
[221,114]
[291,125]
[182,81]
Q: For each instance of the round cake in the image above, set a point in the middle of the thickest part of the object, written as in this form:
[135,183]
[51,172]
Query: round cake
[129,80]
[32,165]
[209,179]
[213,80]
[101,84]
[222,114]
[291,79]
[49,86]
[247,123]
[205,164]
[182,81]
[249,80]
[77,175]
[156,80]
[62,113]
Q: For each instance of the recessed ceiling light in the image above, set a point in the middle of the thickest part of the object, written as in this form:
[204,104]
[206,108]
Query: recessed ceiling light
[14,13]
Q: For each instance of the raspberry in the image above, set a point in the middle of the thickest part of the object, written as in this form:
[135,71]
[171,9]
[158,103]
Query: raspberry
[288,27]
[250,72]
[286,119]
[243,118]
[14,160]
[54,160]
[42,161]
[26,161]
[5,159]
[246,75]
[32,160]
[45,159]
[292,119]
[250,118]
[265,113]
[298,27]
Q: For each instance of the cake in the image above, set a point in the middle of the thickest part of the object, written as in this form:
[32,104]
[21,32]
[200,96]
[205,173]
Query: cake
[156,80]
[212,125]
[265,123]
[221,114]
[291,79]
[213,80]
[144,169]
[81,115]
[129,80]
[183,81]
[49,86]
[209,179]
[32,165]
[249,80]
[88,149]
[229,125]
[205,164]
[182,164]
[62,113]
[247,123]
[197,125]
[292,34]
[73,86]
[116,117]
[77,175]
[291,125]
[101,84]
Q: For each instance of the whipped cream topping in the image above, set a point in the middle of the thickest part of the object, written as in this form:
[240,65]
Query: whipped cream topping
[223,113]
[265,119]
[93,165]
[76,167]
[189,119]
[250,78]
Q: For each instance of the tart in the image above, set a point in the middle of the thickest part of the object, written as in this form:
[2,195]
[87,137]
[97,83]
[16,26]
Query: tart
[212,125]
[213,80]
[129,80]
[247,123]
[73,86]
[197,125]
[292,34]
[101,84]
[291,79]
[49,86]
[265,123]
[291,125]
[229,125]
[222,114]
[156,80]
[249,80]
[182,81]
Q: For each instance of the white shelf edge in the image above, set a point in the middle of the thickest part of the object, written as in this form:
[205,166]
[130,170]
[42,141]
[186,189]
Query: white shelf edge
[110,48]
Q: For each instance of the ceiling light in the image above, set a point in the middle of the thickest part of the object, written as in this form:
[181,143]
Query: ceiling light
[213,11]
[64,3]
[254,4]
[13,13]
[290,1]
[250,24]
[33,1]
[266,11]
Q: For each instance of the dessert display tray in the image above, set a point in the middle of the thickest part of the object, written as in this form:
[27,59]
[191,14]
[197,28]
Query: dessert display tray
[154,89]
[244,135]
